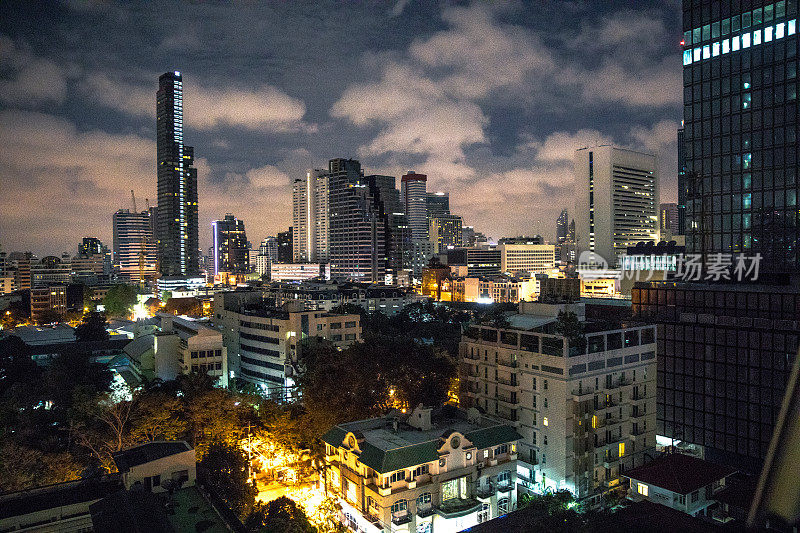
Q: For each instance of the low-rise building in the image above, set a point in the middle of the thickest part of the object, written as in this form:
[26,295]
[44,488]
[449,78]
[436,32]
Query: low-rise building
[441,470]
[264,341]
[682,482]
[150,464]
[389,300]
[530,258]
[299,271]
[48,303]
[495,289]
[585,405]
[185,346]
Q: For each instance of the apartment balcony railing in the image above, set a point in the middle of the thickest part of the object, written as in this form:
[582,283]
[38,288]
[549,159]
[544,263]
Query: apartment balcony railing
[583,393]
[507,381]
[507,399]
[507,363]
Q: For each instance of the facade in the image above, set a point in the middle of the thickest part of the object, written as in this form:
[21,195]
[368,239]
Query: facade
[299,271]
[740,130]
[389,300]
[178,245]
[267,255]
[483,261]
[229,239]
[186,346]
[495,289]
[445,231]
[681,182]
[134,245]
[51,270]
[150,464]
[310,217]
[414,196]
[585,413]
[725,356]
[359,231]
[48,302]
[286,246]
[438,203]
[263,341]
[668,219]
[616,200]
[531,258]
[431,471]
[562,223]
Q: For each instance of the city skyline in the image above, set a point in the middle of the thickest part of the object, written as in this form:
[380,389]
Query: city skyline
[261,118]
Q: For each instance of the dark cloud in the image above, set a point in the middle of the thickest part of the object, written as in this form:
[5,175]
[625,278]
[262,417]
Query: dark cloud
[489,100]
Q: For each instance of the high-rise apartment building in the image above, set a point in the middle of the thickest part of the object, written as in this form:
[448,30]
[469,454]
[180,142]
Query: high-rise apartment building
[267,254]
[135,248]
[229,240]
[415,198]
[681,183]
[586,409]
[438,204]
[531,258]
[668,220]
[562,223]
[285,246]
[91,246]
[359,230]
[445,231]
[616,202]
[310,217]
[177,183]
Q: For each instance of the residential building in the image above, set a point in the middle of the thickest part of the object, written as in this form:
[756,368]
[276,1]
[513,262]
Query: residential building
[432,470]
[179,283]
[285,246]
[299,271]
[359,231]
[51,270]
[415,199]
[438,203]
[616,200]
[6,284]
[149,465]
[229,239]
[585,407]
[389,300]
[48,303]
[725,356]
[445,231]
[263,341]
[668,220]
[480,261]
[135,245]
[688,484]
[20,264]
[267,255]
[177,230]
[530,258]
[187,346]
[310,216]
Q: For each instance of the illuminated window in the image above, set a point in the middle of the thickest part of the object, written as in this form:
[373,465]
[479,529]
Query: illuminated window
[706,51]
[780,30]
[697,52]
[726,46]
[715,49]
[768,34]
[735,43]
[545,421]
[791,27]
[621,449]
[641,488]
[746,40]
[687,57]
[594,422]
[756,37]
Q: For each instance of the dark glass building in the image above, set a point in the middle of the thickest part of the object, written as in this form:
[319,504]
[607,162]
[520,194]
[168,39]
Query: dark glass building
[681,184]
[229,239]
[285,244]
[177,183]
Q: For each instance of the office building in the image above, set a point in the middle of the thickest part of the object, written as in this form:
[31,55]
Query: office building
[494,289]
[178,245]
[267,255]
[186,346]
[531,258]
[48,303]
[51,270]
[389,300]
[616,202]
[389,195]
[231,253]
[20,264]
[585,408]
[134,245]
[359,229]
[668,221]
[299,271]
[285,246]
[263,341]
[562,227]
[310,216]
[438,203]
[91,246]
[431,470]
[483,261]
[445,231]
[681,182]
[414,196]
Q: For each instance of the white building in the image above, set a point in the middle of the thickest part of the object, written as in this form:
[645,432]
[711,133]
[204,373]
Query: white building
[431,471]
[299,271]
[185,346]
[616,200]
[586,410]
[149,465]
[310,217]
[532,258]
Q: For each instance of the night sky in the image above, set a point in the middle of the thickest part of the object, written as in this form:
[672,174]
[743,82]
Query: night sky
[489,100]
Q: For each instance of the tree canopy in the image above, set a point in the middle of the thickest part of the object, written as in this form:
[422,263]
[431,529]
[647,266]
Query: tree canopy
[119,300]
[92,327]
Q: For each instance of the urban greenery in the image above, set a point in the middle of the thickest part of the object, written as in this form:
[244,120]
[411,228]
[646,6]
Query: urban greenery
[119,300]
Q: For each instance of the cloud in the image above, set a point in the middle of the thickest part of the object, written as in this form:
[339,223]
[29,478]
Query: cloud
[31,80]
[560,146]
[205,108]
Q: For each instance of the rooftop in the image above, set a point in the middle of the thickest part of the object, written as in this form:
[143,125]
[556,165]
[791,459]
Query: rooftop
[679,473]
[150,451]
[36,335]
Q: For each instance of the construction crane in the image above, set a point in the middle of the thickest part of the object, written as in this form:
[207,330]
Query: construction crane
[141,243]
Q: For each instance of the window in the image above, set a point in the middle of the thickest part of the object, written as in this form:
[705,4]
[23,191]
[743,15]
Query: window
[484,515]
[157,481]
[621,449]
[682,499]
[194,355]
[504,478]
[695,496]
[424,498]
[503,448]
[545,384]
[641,488]
[319,327]
[420,470]
[349,324]
[545,421]
[399,506]
[336,337]
[400,475]
[502,506]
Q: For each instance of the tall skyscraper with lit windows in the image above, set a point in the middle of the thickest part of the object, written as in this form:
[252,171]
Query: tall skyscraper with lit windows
[177,183]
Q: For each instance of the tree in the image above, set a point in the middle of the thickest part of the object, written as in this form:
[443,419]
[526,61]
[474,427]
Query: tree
[227,472]
[157,417]
[92,327]
[569,326]
[165,296]
[23,467]
[281,515]
[119,300]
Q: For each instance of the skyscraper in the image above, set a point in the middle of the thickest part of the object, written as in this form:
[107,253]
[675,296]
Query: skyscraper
[285,246]
[438,203]
[310,217]
[681,183]
[562,223]
[446,231]
[415,200]
[177,183]
[668,220]
[358,227]
[135,248]
[616,200]
[229,239]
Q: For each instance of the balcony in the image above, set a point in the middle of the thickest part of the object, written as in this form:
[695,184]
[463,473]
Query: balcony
[611,483]
[403,517]
[425,511]
[507,414]
[456,508]
[484,492]
[507,399]
[507,363]
[611,460]
[507,381]
[505,488]
[583,393]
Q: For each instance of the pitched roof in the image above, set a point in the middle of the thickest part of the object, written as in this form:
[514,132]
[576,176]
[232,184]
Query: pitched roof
[150,451]
[492,436]
[679,473]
